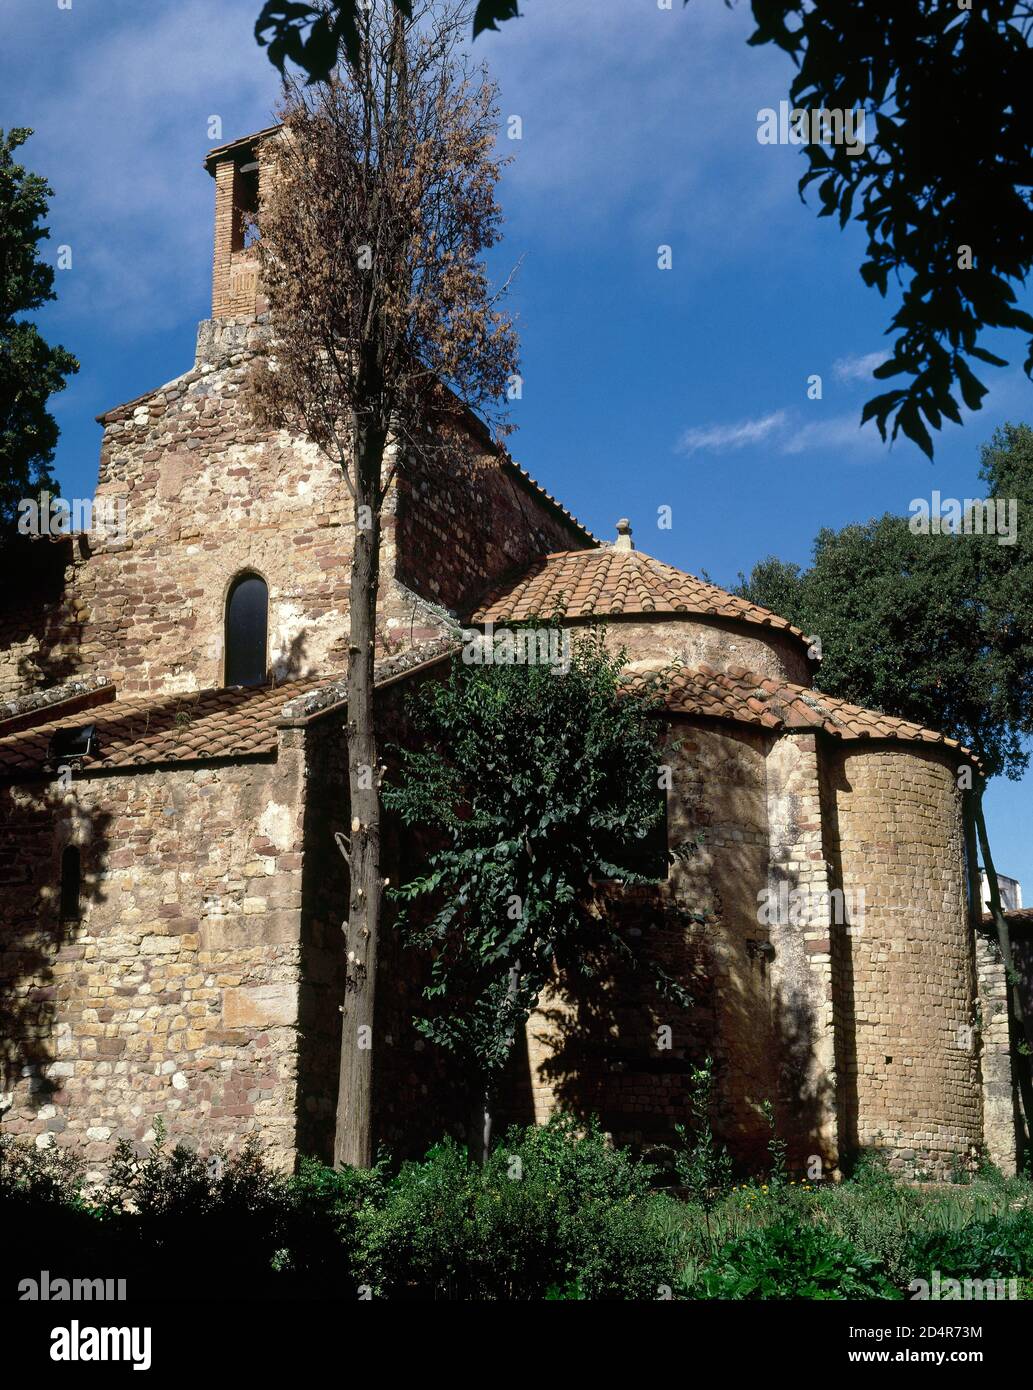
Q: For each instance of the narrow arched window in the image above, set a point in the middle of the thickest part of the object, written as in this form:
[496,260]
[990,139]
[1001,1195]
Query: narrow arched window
[71,884]
[247,622]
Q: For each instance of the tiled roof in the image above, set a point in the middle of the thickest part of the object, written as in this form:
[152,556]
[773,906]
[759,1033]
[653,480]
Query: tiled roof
[1014,916]
[135,731]
[242,143]
[609,582]
[750,698]
[148,730]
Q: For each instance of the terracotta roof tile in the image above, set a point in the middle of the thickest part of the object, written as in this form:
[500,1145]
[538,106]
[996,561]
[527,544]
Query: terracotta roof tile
[1015,917]
[749,698]
[142,730]
[136,730]
[606,582]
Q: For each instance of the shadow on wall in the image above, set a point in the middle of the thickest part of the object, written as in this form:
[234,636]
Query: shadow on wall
[45,910]
[38,628]
[844,985]
[290,666]
[605,1048]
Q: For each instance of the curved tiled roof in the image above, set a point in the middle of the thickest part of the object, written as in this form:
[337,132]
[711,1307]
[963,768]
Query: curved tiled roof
[611,582]
[750,698]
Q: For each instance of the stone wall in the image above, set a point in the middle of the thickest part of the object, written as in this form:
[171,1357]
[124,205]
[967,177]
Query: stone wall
[209,495]
[905,987]
[1000,1103]
[175,994]
[761,990]
[693,641]
[467,522]
[40,614]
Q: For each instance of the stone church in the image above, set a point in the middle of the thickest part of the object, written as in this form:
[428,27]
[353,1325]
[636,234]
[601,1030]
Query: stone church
[172,771]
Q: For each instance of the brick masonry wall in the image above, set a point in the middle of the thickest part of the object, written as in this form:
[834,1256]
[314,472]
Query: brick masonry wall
[176,993]
[597,1049]
[234,269]
[905,986]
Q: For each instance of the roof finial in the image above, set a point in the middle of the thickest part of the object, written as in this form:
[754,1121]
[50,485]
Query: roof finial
[624,541]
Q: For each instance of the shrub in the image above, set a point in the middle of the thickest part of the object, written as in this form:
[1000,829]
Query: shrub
[32,1175]
[555,1212]
[791,1260]
[998,1248]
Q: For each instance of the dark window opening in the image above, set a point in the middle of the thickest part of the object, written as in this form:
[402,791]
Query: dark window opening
[247,205]
[80,742]
[247,621]
[71,885]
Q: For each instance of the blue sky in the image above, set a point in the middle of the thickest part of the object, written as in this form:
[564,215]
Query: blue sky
[644,388]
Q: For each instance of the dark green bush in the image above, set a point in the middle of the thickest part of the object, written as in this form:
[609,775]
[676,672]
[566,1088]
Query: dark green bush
[555,1212]
[999,1248]
[792,1260]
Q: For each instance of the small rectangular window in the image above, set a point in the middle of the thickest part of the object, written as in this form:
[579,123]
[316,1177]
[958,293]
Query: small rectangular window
[79,742]
[71,885]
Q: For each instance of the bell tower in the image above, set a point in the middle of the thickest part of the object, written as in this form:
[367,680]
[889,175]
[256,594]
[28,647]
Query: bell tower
[237,169]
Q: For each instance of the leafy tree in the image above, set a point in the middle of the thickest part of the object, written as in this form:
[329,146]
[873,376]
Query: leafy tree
[30,369]
[937,629]
[379,207]
[542,785]
[313,36]
[942,191]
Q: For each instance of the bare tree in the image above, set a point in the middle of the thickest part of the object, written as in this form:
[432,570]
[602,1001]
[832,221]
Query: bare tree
[380,205]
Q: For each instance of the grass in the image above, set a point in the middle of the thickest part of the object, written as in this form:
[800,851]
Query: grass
[880,1217]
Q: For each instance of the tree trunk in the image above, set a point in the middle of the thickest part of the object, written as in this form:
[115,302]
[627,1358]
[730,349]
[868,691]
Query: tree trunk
[975,905]
[481,1125]
[1016,1014]
[353,1139]
[484,1115]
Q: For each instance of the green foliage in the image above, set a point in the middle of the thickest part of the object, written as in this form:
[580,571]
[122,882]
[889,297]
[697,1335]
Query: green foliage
[555,1212]
[541,785]
[791,1260]
[31,1175]
[776,1148]
[314,36]
[998,1248]
[947,154]
[704,1170]
[31,371]
[933,628]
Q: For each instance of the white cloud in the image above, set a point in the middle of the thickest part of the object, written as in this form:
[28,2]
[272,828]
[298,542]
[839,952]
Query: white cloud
[837,432]
[785,431]
[641,123]
[858,368]
[121,127]
[722,438]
